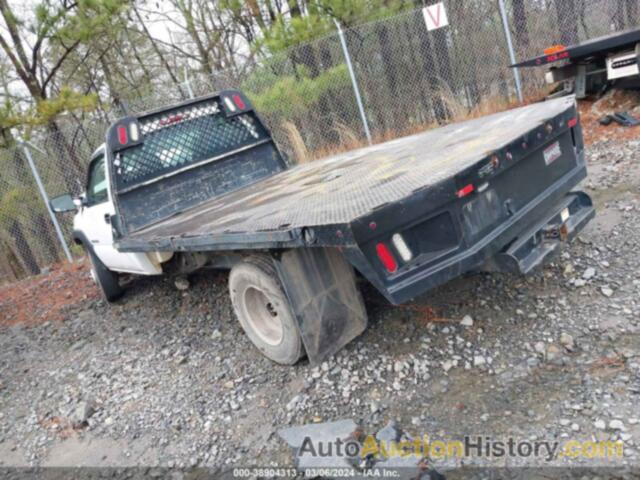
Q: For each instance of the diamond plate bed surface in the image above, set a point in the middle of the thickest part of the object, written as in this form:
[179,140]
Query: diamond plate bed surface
[341,188]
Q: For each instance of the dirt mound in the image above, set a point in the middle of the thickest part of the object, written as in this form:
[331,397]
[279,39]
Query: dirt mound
[616,101]
[47,296]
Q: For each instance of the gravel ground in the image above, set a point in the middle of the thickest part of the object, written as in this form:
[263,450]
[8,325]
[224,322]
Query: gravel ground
[166,377]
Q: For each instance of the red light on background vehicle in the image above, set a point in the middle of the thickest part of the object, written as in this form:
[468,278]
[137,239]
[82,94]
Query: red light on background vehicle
[464,191]
[572,123]
[385,256]
[122,135]
[239,102]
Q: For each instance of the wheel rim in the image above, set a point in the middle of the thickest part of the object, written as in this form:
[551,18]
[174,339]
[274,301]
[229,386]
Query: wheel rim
[263,316]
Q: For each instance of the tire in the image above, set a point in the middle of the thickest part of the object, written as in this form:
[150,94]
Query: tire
[264,313]
[106,280]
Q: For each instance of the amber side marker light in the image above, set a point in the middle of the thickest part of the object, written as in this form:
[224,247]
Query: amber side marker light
[554,49]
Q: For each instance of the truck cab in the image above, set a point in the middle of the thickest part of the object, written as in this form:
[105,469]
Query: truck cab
[92,224]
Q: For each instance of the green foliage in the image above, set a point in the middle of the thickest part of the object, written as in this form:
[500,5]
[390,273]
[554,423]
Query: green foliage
[9,118]
[285,34]
[88,19]
[67,101]
[291,96]
[46,111]
[288,32]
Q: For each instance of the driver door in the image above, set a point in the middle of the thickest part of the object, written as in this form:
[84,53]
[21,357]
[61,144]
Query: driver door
[94,220]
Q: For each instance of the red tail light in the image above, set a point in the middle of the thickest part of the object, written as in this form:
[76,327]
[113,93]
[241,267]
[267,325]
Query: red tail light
[572,123]
[122,135]
[464,191]
[239,102]
[385,256]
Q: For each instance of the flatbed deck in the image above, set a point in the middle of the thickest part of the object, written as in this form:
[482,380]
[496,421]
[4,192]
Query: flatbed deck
[340,189]
[600,46]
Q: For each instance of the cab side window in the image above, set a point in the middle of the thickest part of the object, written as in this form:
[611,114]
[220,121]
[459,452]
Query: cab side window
[97,185]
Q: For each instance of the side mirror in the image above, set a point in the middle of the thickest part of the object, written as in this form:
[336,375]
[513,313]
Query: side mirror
[63,203]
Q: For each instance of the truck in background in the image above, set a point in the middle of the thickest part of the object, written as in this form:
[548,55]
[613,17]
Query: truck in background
[592,66]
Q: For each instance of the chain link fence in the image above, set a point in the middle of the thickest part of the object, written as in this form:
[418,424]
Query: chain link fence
[393,78]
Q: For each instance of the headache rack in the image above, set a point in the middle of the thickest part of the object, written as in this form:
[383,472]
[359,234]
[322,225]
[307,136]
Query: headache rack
[181,156]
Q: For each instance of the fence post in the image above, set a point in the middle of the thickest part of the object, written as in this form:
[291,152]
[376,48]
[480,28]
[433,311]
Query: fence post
[354,82]
[512,56]
[45,199]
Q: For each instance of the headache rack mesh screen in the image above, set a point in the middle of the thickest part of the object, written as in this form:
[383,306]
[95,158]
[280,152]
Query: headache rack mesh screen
[184,136]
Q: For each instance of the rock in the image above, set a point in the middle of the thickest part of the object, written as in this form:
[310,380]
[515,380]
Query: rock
[606,291]
[181,283]
[467,321]
[293,403]
[600,424]
[565,422]
[83,411]
[567,341]
[616,425]
[580,282]
[447,365]
[479,360]
[540,347]
[589,273]
[321,434]
[552,353]
[390,433]
[575,427]
[216,334]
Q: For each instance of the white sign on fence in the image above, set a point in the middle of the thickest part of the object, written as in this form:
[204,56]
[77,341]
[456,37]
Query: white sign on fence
[435,16]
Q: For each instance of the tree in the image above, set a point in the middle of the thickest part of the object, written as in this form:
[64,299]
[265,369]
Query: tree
[38,48]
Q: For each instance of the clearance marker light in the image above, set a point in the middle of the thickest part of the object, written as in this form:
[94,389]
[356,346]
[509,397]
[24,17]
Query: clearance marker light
[230,105]
[386,257]
[401,247]
[464,191]
[134,133]
[554,49]
[122,135]
[572,123]
[239,102]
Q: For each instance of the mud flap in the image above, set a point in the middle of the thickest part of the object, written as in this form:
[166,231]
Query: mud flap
[321,288]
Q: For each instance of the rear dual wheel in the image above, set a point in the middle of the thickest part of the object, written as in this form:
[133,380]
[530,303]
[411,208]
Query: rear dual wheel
[263,310]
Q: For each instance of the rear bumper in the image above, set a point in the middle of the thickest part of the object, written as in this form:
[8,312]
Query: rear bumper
[517,246]
[535,245]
